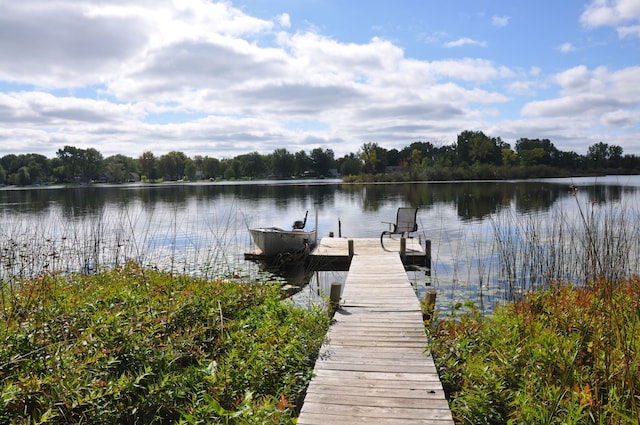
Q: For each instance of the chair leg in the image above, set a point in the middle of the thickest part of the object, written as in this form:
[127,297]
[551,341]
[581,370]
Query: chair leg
[382,242]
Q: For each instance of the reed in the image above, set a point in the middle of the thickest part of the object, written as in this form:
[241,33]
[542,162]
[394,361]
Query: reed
[564,349]
[208,247]
[591,243]
[129,317]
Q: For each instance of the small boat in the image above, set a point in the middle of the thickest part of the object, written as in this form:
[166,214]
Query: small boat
[274,241]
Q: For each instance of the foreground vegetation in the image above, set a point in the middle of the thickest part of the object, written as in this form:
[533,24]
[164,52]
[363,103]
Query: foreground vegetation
[564,351]
[559,356]
[133,345]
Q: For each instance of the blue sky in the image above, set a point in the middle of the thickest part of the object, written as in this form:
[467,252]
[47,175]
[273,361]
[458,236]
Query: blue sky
[226,78]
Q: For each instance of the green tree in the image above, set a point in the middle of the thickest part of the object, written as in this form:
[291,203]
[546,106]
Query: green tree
[211,167]
[171,166]
[282,163]
[303,163]
[350,165]
[615,156]
[118,168]
[252,165]
[425,149]
[322,160]
[80,164]
[91,162]
[148,165]
[394,157]
[369,154]
[39,166]
[24,178]
[10,163]
[509,157]
[462,148]
[602,155]
[485,150]
[70,159]
[191,169]
[415,164]
[537,152]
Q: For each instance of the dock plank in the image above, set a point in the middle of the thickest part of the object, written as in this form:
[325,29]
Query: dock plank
[333,253]
[374,367]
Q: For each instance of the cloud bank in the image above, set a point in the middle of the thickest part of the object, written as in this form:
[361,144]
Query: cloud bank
[207,78]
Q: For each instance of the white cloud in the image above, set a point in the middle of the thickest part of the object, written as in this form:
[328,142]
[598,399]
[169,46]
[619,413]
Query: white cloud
[621,118]
[566,47]
[586,93]
[469,69]
[500,21]
[614,13]
[521,87]
[237,83]
[284,20]
[629,31]
[465,41]
[56,44]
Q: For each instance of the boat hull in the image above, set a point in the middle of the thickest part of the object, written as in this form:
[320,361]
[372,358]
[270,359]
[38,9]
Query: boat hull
[273,241]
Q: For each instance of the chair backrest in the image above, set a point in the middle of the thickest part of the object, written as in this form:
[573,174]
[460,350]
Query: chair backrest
[406,220]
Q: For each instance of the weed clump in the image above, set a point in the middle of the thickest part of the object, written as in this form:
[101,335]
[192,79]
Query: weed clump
[560,355]
[133,345]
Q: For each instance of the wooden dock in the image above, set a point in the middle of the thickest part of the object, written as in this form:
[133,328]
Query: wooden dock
[373,368]
[335,253]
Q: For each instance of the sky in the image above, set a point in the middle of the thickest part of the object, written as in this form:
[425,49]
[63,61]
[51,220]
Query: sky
[227,78]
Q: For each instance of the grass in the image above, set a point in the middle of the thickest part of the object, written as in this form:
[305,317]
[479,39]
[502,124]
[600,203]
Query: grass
[134,345]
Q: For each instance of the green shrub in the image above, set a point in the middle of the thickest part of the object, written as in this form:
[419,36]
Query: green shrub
[133,345]
[560,356]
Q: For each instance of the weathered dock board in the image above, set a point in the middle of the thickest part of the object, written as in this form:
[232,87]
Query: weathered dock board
[333,253]
[373,368]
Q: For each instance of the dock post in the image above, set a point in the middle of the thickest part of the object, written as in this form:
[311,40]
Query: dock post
[403,249]
[427,256]
[334,294]
[350,242]
[428,304]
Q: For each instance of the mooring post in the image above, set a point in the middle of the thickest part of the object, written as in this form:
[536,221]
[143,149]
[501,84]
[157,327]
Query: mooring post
[428,304]
[403,248]
[350,242]
[427,255]
[334,294]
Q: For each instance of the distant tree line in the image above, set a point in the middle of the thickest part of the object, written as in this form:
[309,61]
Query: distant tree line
[473,155]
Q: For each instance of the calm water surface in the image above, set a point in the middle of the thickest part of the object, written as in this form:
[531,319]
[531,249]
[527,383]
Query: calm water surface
[201,228]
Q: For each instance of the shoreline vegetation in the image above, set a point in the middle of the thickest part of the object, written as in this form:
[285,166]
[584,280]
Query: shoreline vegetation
[130,343]
[134,345]
[473,156]
[564,350]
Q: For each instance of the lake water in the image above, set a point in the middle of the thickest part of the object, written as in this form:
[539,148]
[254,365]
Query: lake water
[201,228]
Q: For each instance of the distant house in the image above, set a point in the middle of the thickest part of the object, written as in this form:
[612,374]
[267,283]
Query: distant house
[133,177]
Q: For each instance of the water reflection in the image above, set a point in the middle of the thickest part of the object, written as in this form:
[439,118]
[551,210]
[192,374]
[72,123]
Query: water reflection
[472,200]
[202,227]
